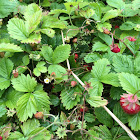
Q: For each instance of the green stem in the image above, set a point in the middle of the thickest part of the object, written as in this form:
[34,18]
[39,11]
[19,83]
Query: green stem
[116,133]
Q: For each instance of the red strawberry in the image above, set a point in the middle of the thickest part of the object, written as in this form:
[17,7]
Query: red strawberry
[131,39]
[116,50]
[39,115]
[73,83]
[116,26]
[87,68]
[82,109]
[0,137]
[130,103]
[76,56]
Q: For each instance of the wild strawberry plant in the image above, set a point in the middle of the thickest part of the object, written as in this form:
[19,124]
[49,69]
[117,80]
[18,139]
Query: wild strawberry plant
[65,65]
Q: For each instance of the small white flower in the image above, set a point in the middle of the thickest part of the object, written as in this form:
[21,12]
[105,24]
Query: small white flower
[47,80]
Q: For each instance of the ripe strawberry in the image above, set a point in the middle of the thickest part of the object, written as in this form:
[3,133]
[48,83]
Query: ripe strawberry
[116,26]
[116,50]
[82,109]
[130,103]
[0,137]
[76,56]
[131,39]
[39,115]
[73,83]
[74,40]
[87,68]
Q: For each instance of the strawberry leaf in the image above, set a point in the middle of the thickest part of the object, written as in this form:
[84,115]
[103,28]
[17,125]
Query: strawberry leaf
[134,121]
[40,68]
[3,110]
[130,83]
[100,68]
[47,53]
[7,47]
[96,101]
[26,107]
[24,83]
[106,120]
[70,97]
[6,66]
[98,46]
[61,53]
[8,6]
[123,63]
[32,16]
[12,97]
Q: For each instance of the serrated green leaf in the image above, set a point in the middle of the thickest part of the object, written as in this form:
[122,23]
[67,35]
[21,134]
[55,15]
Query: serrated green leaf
[130,83]
[42,134]
[106,38]
[49,32]
[100,68]
[61,53]
[92,57]
[26,107]
[111,14]
[25,60]
[33,38]
[12,97]
[88,13]
[52,22]
[98,12]
[54,99]
[127,26]
[118,111]
[17,29]
[40,68]
[29,126]
[93,135]
[60,72]
[134,121]
[15,135]
[70,97]
[117,4]
[123,63]
[101,26]
[47,53]
[6,66]
[89,117]
[32,16]
[103,117]
[136,4]
[7,6]
[24,83]
[2,110]
[97,87]
[98,46]
[111,79]
[137,66]
[115,92]
[42,100]
[7,47]
[96,101]
[103,132]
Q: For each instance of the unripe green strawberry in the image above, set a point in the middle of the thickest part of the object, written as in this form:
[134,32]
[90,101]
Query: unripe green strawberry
[72,126]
